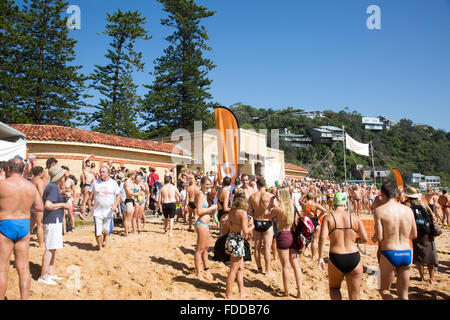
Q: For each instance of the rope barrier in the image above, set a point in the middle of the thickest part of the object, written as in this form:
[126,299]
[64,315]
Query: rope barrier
[443,252]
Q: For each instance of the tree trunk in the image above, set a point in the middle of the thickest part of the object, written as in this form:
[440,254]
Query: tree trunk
[116,78]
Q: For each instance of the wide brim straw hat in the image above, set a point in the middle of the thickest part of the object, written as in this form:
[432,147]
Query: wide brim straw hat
[412,193]
[56,173]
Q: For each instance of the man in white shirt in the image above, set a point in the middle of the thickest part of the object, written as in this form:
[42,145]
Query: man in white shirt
[106,195]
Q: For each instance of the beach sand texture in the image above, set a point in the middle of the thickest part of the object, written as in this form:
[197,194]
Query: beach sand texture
[152,266]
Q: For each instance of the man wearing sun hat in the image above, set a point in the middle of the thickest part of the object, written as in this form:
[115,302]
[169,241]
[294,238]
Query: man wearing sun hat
[424,247]
[54,206]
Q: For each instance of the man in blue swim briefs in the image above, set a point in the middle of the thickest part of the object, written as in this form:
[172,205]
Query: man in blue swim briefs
[18,197]
[395,226]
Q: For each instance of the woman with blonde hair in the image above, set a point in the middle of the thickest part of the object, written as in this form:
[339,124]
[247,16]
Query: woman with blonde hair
[235,243]
[282,209]
[203,211]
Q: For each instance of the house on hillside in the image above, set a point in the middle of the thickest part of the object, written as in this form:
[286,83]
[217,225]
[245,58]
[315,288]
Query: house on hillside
[378,123]
[326,135]
[296,140]
[310,114]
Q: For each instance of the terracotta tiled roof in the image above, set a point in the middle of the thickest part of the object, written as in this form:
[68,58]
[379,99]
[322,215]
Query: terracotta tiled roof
[291,166]
[36,132]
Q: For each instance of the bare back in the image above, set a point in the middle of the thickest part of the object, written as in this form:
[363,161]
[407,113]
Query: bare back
[342,228]
[18,197]
[190,191]
[40,185]
[259,202]
[237,219]
[394,226]
[168,193]
[443,200]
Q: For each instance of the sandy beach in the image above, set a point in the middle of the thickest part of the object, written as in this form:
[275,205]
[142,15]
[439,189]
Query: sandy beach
[152,266]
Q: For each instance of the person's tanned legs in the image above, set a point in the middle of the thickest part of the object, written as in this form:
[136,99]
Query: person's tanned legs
[21,254]
[6,248]
[386,278]
[335,278]
[402,285]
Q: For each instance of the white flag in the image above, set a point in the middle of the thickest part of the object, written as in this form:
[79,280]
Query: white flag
[359,148]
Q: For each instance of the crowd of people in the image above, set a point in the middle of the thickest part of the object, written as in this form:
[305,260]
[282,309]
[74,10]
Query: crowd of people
[254,219]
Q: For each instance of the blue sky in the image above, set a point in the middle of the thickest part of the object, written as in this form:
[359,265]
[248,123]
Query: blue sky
[309,54]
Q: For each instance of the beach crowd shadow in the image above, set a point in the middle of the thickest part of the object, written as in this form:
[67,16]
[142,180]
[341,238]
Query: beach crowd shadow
[82,246]
[174,264]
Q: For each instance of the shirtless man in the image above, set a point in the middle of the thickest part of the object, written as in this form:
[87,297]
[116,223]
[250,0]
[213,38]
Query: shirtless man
[17,198]
[69,194]
[88,177]
[357,199]
[245,179]
[190,199]
[433,202]
[310,209]
[169,196]
[395,226]
[444,202]
[263,231]
[36,218]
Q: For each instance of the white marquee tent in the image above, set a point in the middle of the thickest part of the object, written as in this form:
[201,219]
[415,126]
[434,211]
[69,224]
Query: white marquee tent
[12,143]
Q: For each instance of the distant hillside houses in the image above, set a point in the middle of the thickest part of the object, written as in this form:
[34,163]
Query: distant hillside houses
[321,135]
[326,135]
[422,180]
[310,114]
[377,124]
[296,140]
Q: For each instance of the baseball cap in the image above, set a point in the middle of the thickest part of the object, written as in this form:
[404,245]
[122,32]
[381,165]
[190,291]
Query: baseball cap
[340,199]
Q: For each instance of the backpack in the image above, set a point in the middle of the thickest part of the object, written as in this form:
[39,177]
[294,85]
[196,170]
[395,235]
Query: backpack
[304,230]
[423,222]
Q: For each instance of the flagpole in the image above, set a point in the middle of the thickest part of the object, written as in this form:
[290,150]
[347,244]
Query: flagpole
[373,165]
[345,156]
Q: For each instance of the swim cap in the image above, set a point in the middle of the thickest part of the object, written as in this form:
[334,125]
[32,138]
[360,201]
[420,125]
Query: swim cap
[340,199]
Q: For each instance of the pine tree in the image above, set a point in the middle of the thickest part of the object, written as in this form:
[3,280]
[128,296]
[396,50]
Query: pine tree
[179,95]
[45,88]
[10,48]
[118,111]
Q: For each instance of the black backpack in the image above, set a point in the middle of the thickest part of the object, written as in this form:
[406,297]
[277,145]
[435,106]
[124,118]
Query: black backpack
[423,220]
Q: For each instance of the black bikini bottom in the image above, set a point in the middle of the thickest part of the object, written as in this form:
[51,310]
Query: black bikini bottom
[262,226]
[346,262]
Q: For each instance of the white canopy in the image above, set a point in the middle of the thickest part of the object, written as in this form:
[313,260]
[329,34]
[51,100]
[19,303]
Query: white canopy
[12,143]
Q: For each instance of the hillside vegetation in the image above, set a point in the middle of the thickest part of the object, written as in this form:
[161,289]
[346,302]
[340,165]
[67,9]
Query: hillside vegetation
[407,147]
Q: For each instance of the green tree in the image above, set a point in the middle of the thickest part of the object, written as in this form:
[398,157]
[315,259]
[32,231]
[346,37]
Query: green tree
[44,87]
[179,93]
[118,110]
[10,48]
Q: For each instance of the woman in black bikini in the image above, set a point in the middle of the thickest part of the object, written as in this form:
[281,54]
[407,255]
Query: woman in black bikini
[345,260]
